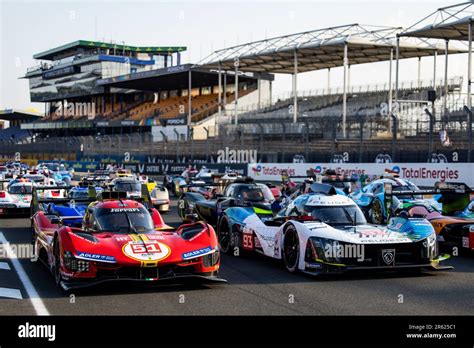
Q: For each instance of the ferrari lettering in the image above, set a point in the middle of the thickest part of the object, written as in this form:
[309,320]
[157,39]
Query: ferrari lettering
[124,210]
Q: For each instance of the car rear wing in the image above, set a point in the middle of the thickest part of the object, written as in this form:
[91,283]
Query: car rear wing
[37,203]
[212,184]
[111,195]
[144,198]
[52,188]
[455,196]
[321,178]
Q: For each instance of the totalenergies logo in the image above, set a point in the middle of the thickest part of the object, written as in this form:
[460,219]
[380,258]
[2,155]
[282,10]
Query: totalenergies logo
[318,169]
[257,169]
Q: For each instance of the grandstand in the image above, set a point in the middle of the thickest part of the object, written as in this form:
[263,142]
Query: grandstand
[87,85]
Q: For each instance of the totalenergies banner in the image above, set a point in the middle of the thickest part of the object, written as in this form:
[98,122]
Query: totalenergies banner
[422,174]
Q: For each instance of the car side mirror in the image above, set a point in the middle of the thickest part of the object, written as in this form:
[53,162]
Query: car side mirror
[190,218]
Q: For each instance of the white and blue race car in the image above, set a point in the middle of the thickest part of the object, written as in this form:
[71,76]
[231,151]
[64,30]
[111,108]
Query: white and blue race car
[323,232]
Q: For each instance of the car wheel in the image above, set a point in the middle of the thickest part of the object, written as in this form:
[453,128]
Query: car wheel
[377,213]
[291,249]
[224,236]
[57,263]
[33,233]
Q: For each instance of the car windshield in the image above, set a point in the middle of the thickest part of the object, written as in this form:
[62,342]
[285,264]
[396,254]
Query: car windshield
[78,194]
[124,220]
[20,189]
[35,178]
[51,166]
[127,186]
[336,215]
[254,193]
[207,179]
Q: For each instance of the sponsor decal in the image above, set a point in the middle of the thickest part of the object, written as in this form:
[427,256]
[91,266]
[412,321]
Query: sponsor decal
[425,173]
[122,239]
[257,169]
[195,253]
[123,210]
[318,169]
[156,237]
[146,251]
[388,256]
[94,257]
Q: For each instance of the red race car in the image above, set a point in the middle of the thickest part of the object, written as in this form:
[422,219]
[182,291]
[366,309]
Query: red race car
[121,239]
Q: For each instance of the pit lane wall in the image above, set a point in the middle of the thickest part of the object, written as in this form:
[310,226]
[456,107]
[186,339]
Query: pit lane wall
[422,174]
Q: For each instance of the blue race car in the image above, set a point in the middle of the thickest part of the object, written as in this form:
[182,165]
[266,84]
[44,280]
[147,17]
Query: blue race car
[371,198]
[72,209]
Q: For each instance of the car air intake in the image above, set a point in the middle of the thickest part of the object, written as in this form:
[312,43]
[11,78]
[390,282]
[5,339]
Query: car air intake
[189,231]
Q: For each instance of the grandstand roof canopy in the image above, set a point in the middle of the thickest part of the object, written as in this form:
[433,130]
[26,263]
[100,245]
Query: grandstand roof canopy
[322,49]
[171,78]
[72,47]
[17,115]
[450,23]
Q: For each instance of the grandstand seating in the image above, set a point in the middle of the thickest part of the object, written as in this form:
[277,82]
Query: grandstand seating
[331,105]
[13,134]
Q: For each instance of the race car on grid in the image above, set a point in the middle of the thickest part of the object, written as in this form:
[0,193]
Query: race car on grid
[240,190]
[320,233]
[15,197]
[452,216]
[371,197]
[122,240]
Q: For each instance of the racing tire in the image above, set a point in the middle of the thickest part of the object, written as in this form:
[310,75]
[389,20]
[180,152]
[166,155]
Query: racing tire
[377,213]
[34,237]
[57,263]
[224,235]
[291,249]
[33,233]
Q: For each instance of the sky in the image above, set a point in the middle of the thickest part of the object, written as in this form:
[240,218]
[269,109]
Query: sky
[29,27]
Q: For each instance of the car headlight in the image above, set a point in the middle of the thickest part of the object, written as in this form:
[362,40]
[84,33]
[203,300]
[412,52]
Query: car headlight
[431,245]
[431,239]
[210,260]
[326,249]
[73,264]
